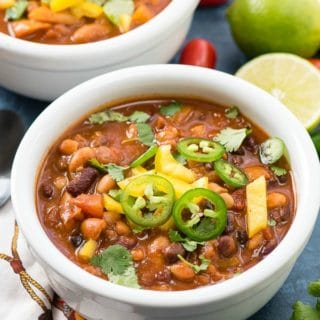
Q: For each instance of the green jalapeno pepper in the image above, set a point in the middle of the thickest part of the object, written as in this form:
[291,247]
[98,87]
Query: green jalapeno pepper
[201,150]
[271,150]
[316,140]
[200,214]
[230,174]
[148,200]
[151,152]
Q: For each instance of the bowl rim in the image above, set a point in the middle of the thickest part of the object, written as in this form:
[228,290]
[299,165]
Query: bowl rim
[285,253]
[146,34]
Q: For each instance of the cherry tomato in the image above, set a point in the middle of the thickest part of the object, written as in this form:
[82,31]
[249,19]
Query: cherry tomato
[199,52]
[315,62]
[212,2]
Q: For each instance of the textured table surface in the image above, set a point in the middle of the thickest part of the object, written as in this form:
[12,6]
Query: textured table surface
[210,23]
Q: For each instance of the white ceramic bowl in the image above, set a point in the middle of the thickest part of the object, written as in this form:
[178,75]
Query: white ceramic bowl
[46,71]
[233,299]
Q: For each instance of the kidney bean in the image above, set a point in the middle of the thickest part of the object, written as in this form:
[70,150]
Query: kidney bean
[227,246]
[172,251]
[82,182]
[47,189]
[280,214]
[127,242]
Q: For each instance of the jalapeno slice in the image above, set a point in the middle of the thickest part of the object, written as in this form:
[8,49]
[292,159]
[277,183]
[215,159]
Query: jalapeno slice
[151,152]
[230,174]
[271,150]
[200,214]
[201,150]
[148,200]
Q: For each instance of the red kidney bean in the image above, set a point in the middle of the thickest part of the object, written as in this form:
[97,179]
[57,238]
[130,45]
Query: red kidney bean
[212,2]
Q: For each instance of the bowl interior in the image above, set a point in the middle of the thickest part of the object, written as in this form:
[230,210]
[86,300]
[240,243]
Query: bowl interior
[168,81]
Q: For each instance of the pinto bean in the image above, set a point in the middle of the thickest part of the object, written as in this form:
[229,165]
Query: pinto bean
[127,242]
[80,158]
[239,199]
[227,199]
[227,246]
[68,146]
[23,28]
[90,32]
[182,272]
[171,252]
[276,199]
[91,228]
[217,188]
[44,14]
[106,184]
[112,217]
[108,155]
[159,244]
[280,214]
[137,254]
[82,182]
[122,229]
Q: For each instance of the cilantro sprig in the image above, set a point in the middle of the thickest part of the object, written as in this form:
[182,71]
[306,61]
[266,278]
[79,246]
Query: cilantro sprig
[115,171]
[232,139]
[303,311]
[170,109]
[232,112]
[189,245]
[196,268]
[145,134]
[278,171]
[114,116]
[116,262]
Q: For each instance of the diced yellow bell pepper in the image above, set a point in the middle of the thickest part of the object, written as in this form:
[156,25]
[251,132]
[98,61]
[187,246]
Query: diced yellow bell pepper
[138,170]
[167,164]
[125,23]
[111,205]
[87,250]
[87,9]
[168,225]
[201,183]
[59,5]
[257,214]
[123,183]
[6,4]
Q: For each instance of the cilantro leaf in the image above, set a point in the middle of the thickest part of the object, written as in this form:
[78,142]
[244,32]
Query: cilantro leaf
[115,259]
[115,171]
[107,116]
[145,134]
[116,263]
[278,171]
[189,245]
[303,311]
[232,112]
[196,268]
[17,11]
[139,117]
[272,222]
[170,109]
[314,288]
[232,139]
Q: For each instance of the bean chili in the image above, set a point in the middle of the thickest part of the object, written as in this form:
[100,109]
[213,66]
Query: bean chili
[169,222]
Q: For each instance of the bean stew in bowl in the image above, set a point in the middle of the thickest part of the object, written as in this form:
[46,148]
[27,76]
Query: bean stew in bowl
[166,194]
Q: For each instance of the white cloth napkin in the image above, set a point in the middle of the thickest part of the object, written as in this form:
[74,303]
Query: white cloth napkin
[17,301]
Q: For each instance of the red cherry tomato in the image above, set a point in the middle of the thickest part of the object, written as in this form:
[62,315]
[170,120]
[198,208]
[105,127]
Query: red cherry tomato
[199,52]
[315,62]
[212,2]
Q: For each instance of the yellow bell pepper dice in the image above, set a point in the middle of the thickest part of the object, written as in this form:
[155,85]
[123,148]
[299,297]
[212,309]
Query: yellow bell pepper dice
[168,225]
[125,23]
[111,205]
[257,214]
[59,5]
[201,183]
[167,164]
[138,170]
[87,9]
[123,183]
[87,251]
[6,4]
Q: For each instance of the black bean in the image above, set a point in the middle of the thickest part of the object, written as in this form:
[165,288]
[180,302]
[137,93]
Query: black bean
[242,237]
[82,182]
[76,240]
[230,222]
[250,144]
[171,252]
[283,179]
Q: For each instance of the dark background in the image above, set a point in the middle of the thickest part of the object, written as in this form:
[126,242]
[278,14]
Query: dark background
[210,23]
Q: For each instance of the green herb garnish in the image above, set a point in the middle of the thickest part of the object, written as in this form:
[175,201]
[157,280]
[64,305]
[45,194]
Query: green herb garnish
[139,117]
[188,244]
[196,268]
[107,116]
[232,112]
[278,171]
[170,109]
[232,139]
[115,194]
[145,134]
[116,262]
[17,11]
[115,171]
[272,222]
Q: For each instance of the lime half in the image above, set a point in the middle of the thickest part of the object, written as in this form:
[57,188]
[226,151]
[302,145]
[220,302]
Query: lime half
[289,78]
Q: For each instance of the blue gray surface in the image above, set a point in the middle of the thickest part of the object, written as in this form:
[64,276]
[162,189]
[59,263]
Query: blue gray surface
[210,23]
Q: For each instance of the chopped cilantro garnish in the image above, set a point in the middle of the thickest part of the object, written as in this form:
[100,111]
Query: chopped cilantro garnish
[108,115]
[115,171]
[145,134]
[272,222]
[139,117]
[189,245]
[116,263]
[232,112]
[196,268]
[232,139]
[170,109]
[278,171]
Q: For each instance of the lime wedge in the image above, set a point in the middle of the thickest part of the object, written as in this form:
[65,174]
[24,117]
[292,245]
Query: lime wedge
[289,78]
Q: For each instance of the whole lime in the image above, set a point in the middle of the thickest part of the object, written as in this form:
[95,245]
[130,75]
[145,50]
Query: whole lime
[262,26]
